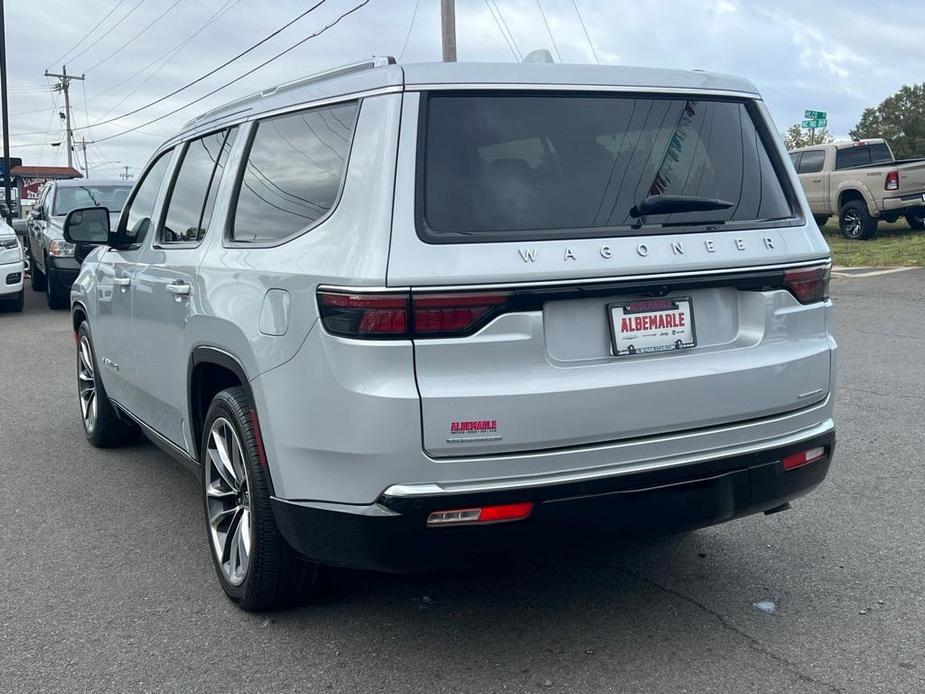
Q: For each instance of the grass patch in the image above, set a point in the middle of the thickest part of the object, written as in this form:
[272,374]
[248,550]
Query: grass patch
[894,245]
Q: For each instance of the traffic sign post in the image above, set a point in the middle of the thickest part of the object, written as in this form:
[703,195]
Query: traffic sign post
[814,119]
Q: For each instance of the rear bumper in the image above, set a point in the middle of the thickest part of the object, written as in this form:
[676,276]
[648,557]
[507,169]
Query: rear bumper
[904,201]
[392,535]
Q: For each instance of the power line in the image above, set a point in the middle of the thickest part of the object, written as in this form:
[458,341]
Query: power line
[214,70]
[549,31]
[410,27]
[246,74]
[503,35]
[585,29]
[176,49]
[87,35]
[520,55]
[156,20]
[108,31]
[175,52]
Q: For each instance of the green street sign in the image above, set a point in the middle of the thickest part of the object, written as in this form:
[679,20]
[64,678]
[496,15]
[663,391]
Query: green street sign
[817,123]
[815,115]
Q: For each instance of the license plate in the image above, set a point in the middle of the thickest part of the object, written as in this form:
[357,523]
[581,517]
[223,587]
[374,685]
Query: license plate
[652,325]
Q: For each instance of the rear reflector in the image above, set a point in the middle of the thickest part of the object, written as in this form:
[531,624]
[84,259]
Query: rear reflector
[808,285]
[406,315]
[803,457]
[485,514]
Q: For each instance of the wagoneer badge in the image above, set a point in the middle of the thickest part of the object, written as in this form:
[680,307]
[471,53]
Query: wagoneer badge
[528,255]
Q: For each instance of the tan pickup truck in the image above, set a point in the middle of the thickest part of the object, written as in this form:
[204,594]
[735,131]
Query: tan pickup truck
[862,184]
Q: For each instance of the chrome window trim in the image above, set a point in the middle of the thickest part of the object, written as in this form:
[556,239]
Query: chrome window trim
[476,486]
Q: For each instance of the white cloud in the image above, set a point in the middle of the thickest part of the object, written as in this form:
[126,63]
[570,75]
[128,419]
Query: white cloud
[837,57]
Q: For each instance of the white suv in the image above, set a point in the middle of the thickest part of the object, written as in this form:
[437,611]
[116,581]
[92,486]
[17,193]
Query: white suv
[12,269]
[398,315]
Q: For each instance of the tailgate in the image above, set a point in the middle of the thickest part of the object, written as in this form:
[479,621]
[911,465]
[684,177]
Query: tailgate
[548,377]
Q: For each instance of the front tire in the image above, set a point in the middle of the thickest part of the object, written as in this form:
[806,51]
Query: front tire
[56,297]
[256,568]
[102,425]
[916,221]
[855,221]
[36,277]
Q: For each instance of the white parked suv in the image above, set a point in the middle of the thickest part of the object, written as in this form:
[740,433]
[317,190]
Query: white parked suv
[398,316]
[12,269]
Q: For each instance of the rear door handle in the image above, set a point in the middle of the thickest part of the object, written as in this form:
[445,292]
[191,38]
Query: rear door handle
[817,180]
[121,281]
[179,288]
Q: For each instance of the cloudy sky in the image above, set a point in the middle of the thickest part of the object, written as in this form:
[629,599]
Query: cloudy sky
[833,56]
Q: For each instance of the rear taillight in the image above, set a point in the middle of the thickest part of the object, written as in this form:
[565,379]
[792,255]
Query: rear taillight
[407,315]
[809,284]
[892,180]
[438,315]
[365,315]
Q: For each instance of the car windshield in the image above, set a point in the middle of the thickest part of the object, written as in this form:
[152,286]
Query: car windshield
[69,198]
[546,165]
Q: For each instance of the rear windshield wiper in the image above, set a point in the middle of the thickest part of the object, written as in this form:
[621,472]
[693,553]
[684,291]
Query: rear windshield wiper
[667,204]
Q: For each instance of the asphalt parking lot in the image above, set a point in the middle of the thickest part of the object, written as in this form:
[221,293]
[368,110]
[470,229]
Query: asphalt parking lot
[106,584]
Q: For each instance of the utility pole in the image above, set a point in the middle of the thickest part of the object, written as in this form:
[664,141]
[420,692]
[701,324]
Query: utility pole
[6,120]
[64,82]
[448,26]
[83,146]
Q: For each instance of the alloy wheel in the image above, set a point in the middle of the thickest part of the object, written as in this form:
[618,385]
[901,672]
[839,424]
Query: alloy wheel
[86,384]
[852,223]
[228,503]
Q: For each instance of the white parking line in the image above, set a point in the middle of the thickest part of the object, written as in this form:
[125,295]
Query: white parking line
[863,272]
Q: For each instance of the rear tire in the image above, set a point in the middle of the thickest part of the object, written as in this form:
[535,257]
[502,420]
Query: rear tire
[102,425]
[257,569]
[821,219]
[855,221]
[19,302]
[54,295]
[916,221]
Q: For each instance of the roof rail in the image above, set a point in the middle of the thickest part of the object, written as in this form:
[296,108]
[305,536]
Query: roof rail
[340,71]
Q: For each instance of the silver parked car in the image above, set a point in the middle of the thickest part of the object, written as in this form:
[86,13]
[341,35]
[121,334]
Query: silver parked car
[397,316]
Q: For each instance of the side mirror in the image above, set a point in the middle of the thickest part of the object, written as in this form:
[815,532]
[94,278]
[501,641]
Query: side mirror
[37,213]
[89,225]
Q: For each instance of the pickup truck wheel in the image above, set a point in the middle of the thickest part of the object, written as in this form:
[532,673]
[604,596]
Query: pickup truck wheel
[821,219]
[36,277]
[103,426]
[916,221]
[57,297]
[855,221]
[256,568]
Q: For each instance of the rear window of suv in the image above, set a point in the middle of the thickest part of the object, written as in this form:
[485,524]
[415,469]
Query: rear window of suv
[502,166]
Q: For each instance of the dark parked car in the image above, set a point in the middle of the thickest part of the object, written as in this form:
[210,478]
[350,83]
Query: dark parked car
[53,265]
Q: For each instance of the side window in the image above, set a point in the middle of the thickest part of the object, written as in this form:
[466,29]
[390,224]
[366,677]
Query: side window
[293,172]
[795,159]
[192,198]
[137,217]
[852,156]
[812,162]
